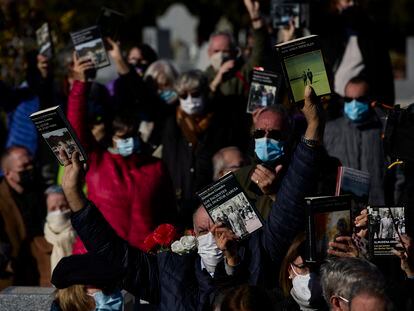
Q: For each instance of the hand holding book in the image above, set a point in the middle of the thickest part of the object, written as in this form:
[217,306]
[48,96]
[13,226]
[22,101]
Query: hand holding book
[343,246]
[226,241]
[43,65]
[72,181]
[406,254]
[80,66]
[116,54]
[313,113]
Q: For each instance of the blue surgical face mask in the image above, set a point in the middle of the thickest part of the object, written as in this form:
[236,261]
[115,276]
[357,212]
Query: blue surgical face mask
[356,111]
[168,96]
[127,146]
[269,150]
[113,302]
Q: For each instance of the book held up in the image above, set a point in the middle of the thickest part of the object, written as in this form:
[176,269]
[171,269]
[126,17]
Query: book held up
[263,89]
[226,203]
[327,218]
[303,64]
[57,132]
[89,44]
[44,40]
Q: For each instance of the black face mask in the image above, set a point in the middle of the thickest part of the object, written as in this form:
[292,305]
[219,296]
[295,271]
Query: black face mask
[27,179]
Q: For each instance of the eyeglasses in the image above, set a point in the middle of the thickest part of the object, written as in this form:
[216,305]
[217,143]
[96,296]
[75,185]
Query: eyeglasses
[343,299]
[269,133]
[192,94]
[362,99]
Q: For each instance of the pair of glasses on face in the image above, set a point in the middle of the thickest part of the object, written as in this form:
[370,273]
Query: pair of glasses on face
[184,95]
[269,133]
[362,99]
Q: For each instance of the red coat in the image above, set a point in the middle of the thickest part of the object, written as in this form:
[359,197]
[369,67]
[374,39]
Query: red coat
[134,193]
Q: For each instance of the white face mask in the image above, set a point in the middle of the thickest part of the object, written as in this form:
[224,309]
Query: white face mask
[210,254]
[192,105]
[306,288]
[216,60]
[58,220]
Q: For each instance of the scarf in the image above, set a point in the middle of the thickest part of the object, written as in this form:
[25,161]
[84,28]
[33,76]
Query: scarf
[61,240]
[192,126]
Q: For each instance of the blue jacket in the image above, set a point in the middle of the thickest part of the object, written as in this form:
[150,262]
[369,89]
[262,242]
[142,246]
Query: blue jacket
[175,282]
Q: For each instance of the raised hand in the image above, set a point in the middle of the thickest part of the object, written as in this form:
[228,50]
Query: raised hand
[406,255]
[312,111]
[73,179]
[43,65]
[116,55]
[266,179]
[80,66]
[226,241]
[343,247]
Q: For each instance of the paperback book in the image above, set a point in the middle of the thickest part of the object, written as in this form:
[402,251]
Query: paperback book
[56,130]
[386,225]
[356,183]
[263,90]
[89,44]
[327,218]
[110,23]
[226,203]
[44,41]
[303,64]
[284,13]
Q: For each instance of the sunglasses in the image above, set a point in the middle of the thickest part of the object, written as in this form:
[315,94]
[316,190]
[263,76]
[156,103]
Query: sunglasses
[272,133]
[362,99]
[192,94]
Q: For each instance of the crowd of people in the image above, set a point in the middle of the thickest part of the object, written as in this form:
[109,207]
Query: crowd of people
[154,137]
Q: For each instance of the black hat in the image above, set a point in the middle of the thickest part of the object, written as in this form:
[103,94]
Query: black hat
[86,269]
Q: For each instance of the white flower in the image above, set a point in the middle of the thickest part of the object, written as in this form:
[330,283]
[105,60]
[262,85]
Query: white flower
[186,244]
[189,242]
[177,247]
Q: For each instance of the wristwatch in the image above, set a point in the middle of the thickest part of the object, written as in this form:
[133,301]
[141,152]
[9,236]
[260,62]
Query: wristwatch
[310,142]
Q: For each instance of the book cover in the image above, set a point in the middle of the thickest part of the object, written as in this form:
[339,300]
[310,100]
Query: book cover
[386,225]
[57,132]
[327,218]
[263,89]
[110,23]
[283,13]
[303,64]
[44,40]
[226,202]
[88,43]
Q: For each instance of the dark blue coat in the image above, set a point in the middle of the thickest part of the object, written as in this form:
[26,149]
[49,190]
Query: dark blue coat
[175,282]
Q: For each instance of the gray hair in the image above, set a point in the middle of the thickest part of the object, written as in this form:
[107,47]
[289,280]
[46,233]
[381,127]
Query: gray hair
[162,71]
[191,81]
[340,275]
[54,189]
[218,160]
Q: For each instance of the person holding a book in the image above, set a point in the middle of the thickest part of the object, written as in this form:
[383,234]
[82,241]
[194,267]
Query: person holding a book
[260,180]
[132,189]
[355,138]
[179,282]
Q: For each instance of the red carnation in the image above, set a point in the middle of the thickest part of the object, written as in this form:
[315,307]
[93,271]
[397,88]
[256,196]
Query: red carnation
[150,243]
[164,234]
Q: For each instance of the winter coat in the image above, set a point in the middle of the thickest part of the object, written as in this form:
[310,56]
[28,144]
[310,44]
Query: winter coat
[133,193]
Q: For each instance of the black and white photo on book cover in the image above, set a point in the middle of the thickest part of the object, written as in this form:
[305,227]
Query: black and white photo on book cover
[89,45]
[61,139]
[226,203]
[44,40]
[386,225]
[237,214]
[285,13]
[261,96]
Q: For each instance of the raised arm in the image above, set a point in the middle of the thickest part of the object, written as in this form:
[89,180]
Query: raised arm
[139,268]
[77,108]
[287,216]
